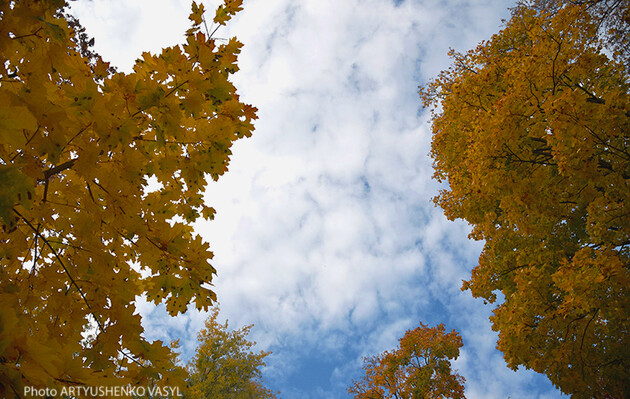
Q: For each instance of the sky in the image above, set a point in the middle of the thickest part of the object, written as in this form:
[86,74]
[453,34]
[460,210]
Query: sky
[326,238]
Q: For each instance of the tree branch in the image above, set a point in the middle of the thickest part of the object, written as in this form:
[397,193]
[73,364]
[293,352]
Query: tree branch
[48,173]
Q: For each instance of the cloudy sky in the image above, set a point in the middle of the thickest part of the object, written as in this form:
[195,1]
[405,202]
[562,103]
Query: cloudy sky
[326,238]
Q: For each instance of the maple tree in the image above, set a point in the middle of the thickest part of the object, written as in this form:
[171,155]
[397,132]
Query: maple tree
[611,18]
[101,174]
[531,132]
[224,365]
[420,368]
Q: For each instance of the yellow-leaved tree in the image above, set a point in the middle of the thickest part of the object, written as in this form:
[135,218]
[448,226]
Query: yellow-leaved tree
[224,365]
[420,368]
[82,232]
[531,132]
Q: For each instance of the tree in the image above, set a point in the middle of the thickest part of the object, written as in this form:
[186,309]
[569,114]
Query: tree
[611,18]
[101,174]
[531,132]
[420,368]
[224,365]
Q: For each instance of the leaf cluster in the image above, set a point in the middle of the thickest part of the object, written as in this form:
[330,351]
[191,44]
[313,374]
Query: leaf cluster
[101,174]
[531,133]
[420,368]
[224,365]
[611,17]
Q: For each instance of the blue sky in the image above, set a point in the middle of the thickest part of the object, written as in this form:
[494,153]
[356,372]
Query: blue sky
[326,238]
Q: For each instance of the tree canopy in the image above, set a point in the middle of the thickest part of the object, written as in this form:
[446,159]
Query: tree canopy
[224,365]
[531,133]
[420,368]
[101,174]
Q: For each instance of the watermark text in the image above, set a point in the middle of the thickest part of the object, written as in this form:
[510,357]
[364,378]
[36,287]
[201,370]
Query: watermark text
[103,391]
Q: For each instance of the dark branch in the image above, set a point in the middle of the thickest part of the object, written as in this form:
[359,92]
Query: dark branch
[59,168]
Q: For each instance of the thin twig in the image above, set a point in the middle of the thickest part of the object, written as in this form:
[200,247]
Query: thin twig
[76,135]
[176,87]
[27,142]
[206,26]
[27,35]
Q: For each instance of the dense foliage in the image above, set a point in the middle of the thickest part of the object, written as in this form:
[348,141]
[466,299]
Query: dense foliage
[101,174]
[224,365]
[531,132]
[420,368]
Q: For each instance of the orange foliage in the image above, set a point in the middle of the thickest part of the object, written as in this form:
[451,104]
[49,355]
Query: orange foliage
[83,230]
[531,132]
[419,368]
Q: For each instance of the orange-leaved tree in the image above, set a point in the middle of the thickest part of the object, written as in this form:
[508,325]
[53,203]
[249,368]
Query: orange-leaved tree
[224,365]
[420,368]
[101,174]
[531,131]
